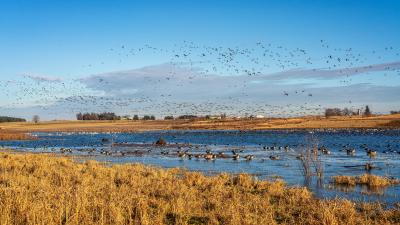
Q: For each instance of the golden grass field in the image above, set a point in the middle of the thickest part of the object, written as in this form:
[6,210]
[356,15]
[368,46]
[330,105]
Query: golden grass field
[49,189]
[381,121]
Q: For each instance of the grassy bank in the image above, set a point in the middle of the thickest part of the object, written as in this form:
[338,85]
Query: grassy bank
[45,189]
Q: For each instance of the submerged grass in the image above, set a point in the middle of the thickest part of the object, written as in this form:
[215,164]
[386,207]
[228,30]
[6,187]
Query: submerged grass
[45,189]
[365,179]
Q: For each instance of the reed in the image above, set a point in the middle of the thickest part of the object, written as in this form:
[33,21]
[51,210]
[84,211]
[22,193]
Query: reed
[49,189]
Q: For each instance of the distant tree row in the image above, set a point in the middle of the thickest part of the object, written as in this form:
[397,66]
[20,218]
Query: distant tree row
[148,117]
[191,117]
[394,112]
[97,116]
[186,117]
[347,112]
[136,117]
[11,119]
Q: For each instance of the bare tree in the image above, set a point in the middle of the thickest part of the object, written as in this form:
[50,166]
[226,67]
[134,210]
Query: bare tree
[35,119]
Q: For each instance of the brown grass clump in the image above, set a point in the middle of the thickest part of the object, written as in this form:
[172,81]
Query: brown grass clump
[365,179]
[393,123]
[4,136]
[44,189]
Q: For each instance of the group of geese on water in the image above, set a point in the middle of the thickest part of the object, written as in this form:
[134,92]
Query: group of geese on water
[235,154]
[209,155]
[191,151]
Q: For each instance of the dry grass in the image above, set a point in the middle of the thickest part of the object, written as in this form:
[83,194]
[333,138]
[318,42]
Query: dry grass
[44,189]
[4,136]
[383,121]
[365,179]
[394,124]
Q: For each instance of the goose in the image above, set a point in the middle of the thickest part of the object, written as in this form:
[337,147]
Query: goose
[371,153]
[274,157]
[351,151]
[181,154]
[164,152]
[249,157]
[369,166]
[326,151]
[209,156]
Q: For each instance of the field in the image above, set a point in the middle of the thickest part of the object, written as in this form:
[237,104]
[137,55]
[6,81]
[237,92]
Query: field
[382,121]
[49,189]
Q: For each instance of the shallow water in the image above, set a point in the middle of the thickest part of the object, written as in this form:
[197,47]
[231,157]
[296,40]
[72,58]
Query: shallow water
[385,142]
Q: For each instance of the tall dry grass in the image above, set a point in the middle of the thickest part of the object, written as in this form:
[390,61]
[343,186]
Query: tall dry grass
[365,179]
[4,136]
[45,189]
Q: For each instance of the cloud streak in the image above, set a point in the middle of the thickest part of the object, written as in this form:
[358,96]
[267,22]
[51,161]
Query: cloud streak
[41,78]
[332,74]
[167,82]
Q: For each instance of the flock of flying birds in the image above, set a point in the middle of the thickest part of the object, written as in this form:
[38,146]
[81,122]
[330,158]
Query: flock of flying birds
[72,96]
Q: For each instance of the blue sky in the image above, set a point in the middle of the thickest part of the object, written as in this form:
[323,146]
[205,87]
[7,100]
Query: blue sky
[72,40]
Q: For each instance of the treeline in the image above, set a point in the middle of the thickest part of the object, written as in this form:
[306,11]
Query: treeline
[394,112]
[192,117]
[347,112]
[97,116]
[111,116]
[4,119]
[182,117]
[136,117]
[145,117]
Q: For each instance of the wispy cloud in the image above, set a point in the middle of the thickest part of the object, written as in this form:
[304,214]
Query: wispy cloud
[41,78]
[168,82]
[331,74]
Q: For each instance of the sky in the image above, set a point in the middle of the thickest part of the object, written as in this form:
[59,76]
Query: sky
[276,58]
